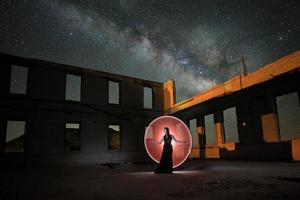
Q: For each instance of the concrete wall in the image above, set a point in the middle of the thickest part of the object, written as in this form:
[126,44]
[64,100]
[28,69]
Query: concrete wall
[257,120]
[46,111]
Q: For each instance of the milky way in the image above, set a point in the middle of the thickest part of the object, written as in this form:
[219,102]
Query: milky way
[196,43]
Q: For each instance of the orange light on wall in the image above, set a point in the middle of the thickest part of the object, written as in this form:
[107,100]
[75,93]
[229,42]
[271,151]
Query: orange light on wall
[178,129]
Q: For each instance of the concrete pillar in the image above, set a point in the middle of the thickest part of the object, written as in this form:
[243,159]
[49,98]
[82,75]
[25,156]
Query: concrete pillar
[249,122]
[201,133]
[269,121]
[157,98]
[219,128]
[296,143]
[295,148]
[5,79]
[2,135]
[169,97]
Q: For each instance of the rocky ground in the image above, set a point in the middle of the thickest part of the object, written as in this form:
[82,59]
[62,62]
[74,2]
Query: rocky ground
[194,180]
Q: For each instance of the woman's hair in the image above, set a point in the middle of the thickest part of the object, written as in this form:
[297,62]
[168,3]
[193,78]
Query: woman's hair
[168,131]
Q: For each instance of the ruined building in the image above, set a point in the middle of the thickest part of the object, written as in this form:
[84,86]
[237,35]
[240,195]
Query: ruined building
[53,113]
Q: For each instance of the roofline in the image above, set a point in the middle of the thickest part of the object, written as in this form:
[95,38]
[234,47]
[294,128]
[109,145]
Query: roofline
[281,66]
[42,63]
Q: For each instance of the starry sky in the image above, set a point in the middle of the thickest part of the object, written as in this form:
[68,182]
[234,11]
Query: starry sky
[197,43]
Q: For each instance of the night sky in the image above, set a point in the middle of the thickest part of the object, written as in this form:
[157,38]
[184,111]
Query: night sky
[197,43]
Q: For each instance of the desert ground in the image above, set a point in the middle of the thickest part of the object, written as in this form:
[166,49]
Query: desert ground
[195,179]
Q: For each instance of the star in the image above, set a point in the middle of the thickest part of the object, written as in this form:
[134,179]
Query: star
[154,40]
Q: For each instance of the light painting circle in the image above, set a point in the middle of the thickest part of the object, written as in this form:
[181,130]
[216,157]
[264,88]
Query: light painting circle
[178,129]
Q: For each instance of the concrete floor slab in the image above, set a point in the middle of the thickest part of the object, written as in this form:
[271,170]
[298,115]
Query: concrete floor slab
[195,180]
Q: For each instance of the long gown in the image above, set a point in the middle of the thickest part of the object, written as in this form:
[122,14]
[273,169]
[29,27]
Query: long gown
[166,162]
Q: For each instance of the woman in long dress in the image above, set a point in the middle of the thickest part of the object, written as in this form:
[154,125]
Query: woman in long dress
[166,162]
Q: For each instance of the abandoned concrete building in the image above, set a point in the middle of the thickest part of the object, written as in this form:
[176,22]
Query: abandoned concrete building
[62,114]
[54,113]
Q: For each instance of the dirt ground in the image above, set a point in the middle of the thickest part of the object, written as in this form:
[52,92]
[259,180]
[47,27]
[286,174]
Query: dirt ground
[194,180]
